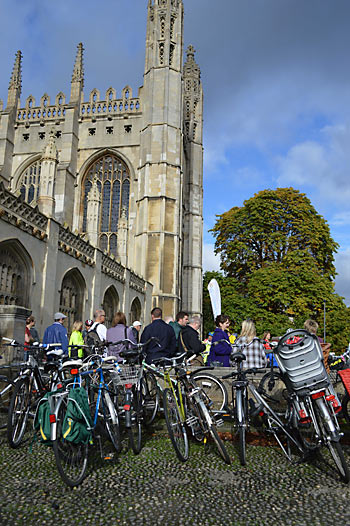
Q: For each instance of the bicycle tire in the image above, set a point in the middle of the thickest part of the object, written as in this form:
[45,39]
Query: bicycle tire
[135,431]
[333,446]
[71,459]
[272,388]
[336,451]
[241,420]
[5,397]
[111,421]
[18,412]
[209,427]
[219,444]
[176,429]
[345,404]
[150,398]
[214,389]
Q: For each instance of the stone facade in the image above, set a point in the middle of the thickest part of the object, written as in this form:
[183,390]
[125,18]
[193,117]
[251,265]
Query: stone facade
[115,178]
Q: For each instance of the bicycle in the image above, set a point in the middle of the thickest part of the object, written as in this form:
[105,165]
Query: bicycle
[312,396]
[28,387]
[72,458]
[138,394]
[214,389]
[186,404]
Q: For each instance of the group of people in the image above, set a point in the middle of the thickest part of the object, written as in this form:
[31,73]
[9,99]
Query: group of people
[179,335]
[221,348]
[171,336]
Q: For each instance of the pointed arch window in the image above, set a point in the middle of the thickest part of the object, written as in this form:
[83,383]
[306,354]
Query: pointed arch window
[29,182]
[113,180]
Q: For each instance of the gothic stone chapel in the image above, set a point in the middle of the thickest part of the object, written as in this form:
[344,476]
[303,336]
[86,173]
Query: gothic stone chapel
[101,197]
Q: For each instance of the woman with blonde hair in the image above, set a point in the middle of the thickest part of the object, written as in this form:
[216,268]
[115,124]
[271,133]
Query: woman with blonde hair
[254,352]
[76,339]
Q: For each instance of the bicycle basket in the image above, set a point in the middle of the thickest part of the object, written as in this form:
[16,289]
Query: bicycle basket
[128,374]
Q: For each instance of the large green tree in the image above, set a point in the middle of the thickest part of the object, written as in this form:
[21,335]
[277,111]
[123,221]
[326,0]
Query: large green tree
[269,227]
[277,258]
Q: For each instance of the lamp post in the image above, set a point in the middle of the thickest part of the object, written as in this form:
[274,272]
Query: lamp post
[324,321]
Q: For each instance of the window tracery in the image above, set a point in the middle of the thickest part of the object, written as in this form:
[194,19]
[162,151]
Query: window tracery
[29,183]
[113,180]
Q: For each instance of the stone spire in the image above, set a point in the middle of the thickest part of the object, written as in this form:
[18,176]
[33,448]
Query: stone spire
[77,83]
[193,97]
[46,201]
[93,213]
[164,37]
[15,86]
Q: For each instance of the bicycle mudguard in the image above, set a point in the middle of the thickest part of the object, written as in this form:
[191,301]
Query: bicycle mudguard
[206,368]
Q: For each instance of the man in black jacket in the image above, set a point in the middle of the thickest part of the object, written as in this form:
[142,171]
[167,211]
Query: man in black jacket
[189,337]
[165,334]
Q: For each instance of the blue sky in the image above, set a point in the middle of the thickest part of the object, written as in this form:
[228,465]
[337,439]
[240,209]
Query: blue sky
[276,81]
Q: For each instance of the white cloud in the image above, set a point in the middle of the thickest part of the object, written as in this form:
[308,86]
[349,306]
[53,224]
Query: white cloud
[342,281]
[210,260]
[321,166]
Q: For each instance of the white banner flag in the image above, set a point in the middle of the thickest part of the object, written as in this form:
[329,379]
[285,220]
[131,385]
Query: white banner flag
[215,297]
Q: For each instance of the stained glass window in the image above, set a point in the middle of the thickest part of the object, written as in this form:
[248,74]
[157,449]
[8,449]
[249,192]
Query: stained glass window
[29,183]
[113,179]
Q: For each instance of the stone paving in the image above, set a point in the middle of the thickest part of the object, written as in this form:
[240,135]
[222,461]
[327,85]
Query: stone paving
[155,488]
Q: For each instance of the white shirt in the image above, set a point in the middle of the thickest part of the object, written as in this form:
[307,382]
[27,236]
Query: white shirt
[101,330]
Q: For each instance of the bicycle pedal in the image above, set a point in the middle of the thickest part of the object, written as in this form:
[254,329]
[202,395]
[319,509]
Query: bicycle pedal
[219,422]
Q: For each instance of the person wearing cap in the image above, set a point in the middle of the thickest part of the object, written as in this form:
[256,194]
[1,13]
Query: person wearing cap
[57,333]
[88,325]
[136,329]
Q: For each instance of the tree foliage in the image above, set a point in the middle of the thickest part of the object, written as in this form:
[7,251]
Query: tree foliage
[271,226]
[277,255]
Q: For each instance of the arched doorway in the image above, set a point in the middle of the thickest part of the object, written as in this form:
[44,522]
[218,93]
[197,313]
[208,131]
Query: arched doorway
[135,310]
[72,297]
[110,305]
[15,272]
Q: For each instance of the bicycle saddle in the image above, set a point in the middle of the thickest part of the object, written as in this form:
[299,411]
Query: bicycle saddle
[129,353]
[238,356]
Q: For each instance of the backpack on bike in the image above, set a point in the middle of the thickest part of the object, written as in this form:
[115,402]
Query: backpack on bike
[92,338]
[77,423]
[42,419]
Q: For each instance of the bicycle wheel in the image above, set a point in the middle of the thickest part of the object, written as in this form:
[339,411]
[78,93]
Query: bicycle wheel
[241,420]
[209,427]
[111,421]
[333,446]
[308,436]
[219,444]
[345,404]
[150,398]
[5,397]
[336,451]
[214,389]
[135,431]
[176,429]
[18,412]
[71,459]
[273,389]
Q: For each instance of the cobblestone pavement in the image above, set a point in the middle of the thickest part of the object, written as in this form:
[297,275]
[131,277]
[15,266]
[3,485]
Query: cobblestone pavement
[155,488]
